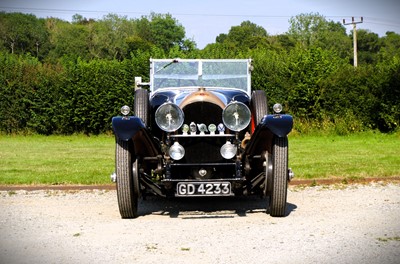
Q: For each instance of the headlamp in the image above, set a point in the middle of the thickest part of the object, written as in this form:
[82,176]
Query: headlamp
[236,116]
[169,117]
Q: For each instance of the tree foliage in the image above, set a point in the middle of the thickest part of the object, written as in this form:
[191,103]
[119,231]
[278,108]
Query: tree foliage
[309,68]
[246,35]
[22,33]
[313,30]
[67,77]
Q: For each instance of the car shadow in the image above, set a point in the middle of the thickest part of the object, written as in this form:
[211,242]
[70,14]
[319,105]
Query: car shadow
[206,207]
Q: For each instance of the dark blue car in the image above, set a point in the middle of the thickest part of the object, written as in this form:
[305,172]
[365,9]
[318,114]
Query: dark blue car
[198,129]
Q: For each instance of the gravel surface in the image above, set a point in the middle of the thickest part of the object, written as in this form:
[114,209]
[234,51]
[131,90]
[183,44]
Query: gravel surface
[325,224]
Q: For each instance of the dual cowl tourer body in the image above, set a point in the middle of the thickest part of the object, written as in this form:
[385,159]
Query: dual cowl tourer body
[198,129]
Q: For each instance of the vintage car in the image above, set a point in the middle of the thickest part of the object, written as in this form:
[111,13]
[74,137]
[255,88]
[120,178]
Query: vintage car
[198,129]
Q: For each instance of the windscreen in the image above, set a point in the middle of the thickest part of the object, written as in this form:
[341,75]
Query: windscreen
[200,73]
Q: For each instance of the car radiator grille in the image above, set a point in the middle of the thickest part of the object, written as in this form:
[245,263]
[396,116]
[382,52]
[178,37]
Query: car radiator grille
[202,152]
[203,112]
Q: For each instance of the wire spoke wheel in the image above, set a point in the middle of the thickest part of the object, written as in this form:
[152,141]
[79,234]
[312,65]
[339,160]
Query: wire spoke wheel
[127,180]
[279,179]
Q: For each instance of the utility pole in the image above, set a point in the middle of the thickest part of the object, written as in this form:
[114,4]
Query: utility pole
[354,37]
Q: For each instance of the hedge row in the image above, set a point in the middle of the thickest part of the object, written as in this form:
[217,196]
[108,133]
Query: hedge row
[78,96]
[75,97]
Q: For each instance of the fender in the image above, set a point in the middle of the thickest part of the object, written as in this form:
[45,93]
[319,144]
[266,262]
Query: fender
[261,140]
[126,127]
[280,125]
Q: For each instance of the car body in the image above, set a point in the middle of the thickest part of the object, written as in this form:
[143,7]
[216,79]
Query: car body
[199,129]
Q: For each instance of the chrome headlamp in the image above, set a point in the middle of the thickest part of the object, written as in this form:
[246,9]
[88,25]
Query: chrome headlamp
[169,117]
[236,116]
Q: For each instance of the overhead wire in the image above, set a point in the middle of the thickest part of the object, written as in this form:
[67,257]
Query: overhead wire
[367,20]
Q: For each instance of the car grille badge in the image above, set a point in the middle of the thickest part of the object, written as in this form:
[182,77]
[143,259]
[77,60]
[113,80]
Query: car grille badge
[221,128]
[212,128]
[193,128]
[185,129]
[202,128]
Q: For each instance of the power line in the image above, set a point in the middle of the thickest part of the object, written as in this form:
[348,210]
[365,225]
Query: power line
[378,21]
[59,10]
[367,20]
[138,13]
[383,24]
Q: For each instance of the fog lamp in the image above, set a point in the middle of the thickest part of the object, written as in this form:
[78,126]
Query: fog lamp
[169,117]
[176,151]
[125,110]
[277,108]
[228,150]
[236,116]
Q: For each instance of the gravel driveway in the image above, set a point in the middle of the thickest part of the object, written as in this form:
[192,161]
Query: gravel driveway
[326,224]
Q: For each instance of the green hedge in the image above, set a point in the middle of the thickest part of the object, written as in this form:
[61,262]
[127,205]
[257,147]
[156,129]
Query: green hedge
[72,97]
[76,96]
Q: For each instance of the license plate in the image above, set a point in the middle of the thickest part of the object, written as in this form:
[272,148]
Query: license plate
[203,189]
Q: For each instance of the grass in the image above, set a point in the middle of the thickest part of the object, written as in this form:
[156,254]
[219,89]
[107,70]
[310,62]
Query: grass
[56,160]
[80,159]
[360,155]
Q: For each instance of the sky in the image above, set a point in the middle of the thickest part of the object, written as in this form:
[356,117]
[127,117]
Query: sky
[204,20]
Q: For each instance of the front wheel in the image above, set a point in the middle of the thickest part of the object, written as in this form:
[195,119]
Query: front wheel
[279,179]
[127,179]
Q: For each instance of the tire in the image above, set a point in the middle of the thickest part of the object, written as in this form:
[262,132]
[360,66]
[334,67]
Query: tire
[127,180]
[141,105]
[278,196]
[268,175]
[259,107]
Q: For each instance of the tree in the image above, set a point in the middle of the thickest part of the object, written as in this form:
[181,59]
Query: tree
[67,39]
[40,37]
[246,35]
[286,41]
[136,43]
[79,19]
[22,33]
[313,30]
[305,27]
[162,30]
[389,46]
[368,45]
[110,35]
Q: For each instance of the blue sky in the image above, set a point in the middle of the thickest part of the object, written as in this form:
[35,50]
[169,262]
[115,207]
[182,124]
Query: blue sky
[205,19]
